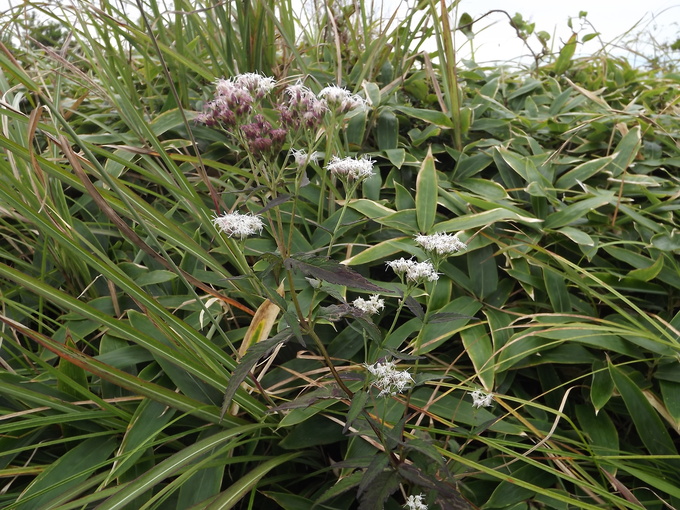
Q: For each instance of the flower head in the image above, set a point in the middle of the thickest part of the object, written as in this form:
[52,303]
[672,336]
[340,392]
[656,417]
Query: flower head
[415,502]
[238,225]
[441,244]
[340,99]
[235,97]
[351,169]
[369,306]
[255,83]
[414,272]
[388,379]
[302,109]
[481,399]
[231,104]
[302,158]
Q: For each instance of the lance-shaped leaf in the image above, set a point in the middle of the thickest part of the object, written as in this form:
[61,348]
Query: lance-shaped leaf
[332,392]
[331,271]
[246,364]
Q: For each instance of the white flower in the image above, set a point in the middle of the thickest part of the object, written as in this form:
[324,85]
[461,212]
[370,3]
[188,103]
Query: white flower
[481,399]
[441,243]
[371,305]
[352,169]
[299,93]
[224,87]
[415,272]
[388,379]
[238,225]
[341,99]
[255,83]
[302,158]
[415,502]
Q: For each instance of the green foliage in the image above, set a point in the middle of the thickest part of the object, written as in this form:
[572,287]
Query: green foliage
[150,361]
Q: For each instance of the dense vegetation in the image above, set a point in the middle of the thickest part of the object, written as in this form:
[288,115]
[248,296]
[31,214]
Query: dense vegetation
[154,355]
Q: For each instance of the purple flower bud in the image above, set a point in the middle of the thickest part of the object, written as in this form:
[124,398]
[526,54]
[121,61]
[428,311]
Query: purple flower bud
[260,146]
[278,135]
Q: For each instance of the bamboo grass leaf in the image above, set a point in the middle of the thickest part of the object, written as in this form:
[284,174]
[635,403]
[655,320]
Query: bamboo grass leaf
[73,467]
[243,369]
[331,271]
[174,463]
[426,193]
[231,497]
[647,422]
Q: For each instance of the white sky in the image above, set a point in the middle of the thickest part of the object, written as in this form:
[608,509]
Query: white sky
[611,18]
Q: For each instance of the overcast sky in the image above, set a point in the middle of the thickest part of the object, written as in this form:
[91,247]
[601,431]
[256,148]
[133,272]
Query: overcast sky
[496,40]
[611,18]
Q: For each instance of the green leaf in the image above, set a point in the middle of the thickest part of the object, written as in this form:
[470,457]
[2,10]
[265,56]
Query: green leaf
[316,431]
[482,219]
[566,53]
[478,346]
[205,481]
[650,428]
[426,193]
[536,183]
[331,271]
[396,156]
[253,355]
[387,130]
[626,151]
[577,236]
[176,462]
[602,387]
[378,483]
[483,271]
[341,486]
[600,431]
[557,290]
[667,242]
[370,208]
[648,273]
[574,212]
[670,391]
[434,117]
[72,468]
[465,25]
[356,407]
[287,501]
[155,277]
[356,129]
[490,190]
[435,334]
[148,422]
[72,373]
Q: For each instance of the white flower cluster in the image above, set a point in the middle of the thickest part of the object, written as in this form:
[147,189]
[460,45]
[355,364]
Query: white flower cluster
[415,272]
[238,225]
[340,99]
[388,379]
[371,305]
[302,158]
[415,502]
[255,83]
[481,399]
[351,169]
[441,244]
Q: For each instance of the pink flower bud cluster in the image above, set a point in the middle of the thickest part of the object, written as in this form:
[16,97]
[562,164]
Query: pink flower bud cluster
[237,108]
[301,108]
[262,138]
[232,104]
